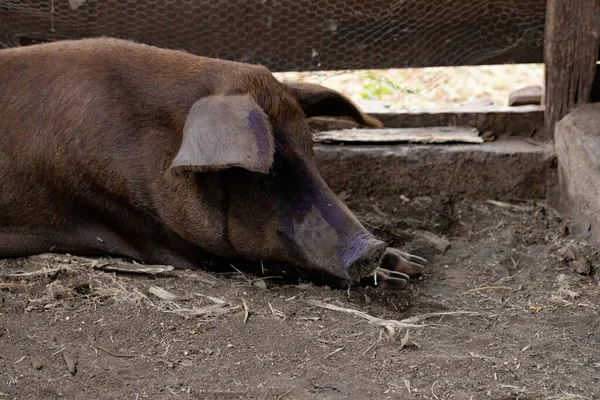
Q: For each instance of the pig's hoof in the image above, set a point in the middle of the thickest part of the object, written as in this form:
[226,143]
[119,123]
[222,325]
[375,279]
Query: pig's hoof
[390,280]
[399,261]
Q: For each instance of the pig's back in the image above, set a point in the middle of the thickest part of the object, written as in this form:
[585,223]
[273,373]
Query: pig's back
[84,129]
[97,107]
[67,120]
[102,99]
[87,130]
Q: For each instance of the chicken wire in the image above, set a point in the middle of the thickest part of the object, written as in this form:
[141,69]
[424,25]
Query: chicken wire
[298,35]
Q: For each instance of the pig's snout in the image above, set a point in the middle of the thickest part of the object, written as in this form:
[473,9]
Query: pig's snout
[363,255]
[320,231]
[330,238]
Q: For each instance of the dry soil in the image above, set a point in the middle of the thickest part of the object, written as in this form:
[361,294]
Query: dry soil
[509,311]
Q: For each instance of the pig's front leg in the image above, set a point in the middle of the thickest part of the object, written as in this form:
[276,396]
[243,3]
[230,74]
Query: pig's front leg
[397,268]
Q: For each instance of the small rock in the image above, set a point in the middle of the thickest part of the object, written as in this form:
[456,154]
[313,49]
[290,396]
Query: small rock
[440,244]
[530,95]
[71,362]
[580,266]
[422,248]
[36,364]
[488,136]
[579,263]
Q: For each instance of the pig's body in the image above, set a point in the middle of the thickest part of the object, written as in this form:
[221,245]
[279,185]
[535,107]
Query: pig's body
[110,147]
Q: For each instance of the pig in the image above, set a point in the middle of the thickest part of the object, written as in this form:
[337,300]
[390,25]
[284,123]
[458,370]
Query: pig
[114,148]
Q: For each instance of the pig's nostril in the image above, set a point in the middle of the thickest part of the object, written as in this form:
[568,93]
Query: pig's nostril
[368,260]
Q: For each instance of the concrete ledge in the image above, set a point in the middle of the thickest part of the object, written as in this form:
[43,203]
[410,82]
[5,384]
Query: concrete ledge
[577,138]
[504,169]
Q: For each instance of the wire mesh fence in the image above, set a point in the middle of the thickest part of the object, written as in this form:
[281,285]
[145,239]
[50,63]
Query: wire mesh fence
[298,35]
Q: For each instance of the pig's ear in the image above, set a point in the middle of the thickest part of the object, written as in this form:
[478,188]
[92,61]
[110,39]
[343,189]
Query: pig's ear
[222,132]
[317,100]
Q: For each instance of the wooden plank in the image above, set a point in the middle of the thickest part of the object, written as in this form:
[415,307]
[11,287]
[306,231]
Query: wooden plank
[501,121]
[525,121]
[440,134]
[570,54]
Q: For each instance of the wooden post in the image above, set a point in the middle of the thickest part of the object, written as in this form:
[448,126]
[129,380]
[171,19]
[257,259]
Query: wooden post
[571,44]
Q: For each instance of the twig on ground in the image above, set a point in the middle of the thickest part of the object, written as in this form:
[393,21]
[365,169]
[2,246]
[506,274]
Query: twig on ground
[246,312]
[39,272]
[333,352]
[509,206]
[405,323]
[422,317]
[432,392]
[277,313]
[7,285]
[59,351]
[285,394]
[201,277]
[244,276]
[370,318]
[211,298]
[479,289]
[370,347]
[214,310]
[134,268]
[117,354]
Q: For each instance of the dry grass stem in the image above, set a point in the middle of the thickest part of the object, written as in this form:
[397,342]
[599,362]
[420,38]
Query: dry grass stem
[40,272]
[165,295]
[246,310]
[134,268]
[207,312]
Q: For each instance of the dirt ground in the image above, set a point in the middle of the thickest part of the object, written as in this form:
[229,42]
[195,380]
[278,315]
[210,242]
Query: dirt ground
[509,311]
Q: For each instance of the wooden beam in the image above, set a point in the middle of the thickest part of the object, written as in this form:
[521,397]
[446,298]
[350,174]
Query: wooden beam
[437,134]
[525,121]
[571,46]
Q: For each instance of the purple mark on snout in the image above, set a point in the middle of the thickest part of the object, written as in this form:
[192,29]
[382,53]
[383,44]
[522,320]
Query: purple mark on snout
[352,239]
[354,248]
[261,133]
[350,245]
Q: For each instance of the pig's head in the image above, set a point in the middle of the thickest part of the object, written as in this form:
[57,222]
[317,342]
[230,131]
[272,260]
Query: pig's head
[278,206]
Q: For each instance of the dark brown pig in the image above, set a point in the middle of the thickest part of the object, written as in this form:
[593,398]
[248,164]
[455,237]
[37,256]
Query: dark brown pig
[109,147]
